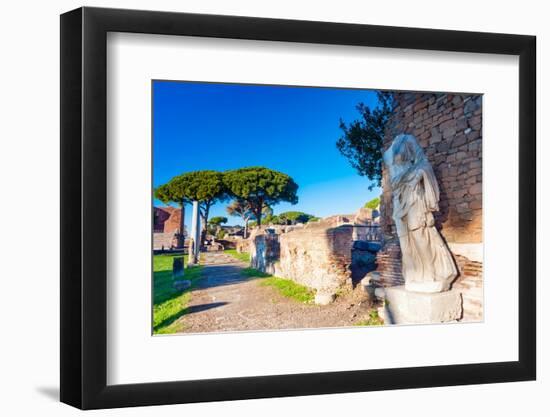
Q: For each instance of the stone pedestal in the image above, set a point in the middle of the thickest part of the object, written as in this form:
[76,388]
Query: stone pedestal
[178,275]
[177,268]
[407,307]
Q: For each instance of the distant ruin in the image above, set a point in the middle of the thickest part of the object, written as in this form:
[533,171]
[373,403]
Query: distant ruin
[322,255]
[166,219]
[166,223]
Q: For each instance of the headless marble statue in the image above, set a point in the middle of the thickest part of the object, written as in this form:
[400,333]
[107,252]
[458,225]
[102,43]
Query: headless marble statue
[428,265]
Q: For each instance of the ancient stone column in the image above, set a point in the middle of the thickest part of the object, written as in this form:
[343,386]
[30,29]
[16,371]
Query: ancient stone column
[194,238]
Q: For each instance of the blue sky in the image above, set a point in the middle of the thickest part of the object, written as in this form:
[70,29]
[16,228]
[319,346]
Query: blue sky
[294,130]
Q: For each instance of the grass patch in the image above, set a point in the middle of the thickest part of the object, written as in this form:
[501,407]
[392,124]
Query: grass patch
[286,287]
[169,304]
[373,320]
[290,289]
[254,273]
[245,257]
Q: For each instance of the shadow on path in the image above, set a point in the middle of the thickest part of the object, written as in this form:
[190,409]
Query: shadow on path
[203,307]
[187,310]
[219,269]
[219,275]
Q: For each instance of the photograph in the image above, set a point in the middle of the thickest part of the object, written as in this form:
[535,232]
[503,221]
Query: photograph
[278,207]
[269,209]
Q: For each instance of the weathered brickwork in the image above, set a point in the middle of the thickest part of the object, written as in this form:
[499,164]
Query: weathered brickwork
[166,219]
[243,246]
[388,264]
[448,127]
[317,255]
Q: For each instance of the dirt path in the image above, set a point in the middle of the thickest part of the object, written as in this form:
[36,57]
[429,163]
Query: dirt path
[225,300]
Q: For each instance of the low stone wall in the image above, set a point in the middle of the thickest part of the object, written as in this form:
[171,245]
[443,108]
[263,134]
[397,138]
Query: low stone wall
[243,245]
[317,256]
[164,241]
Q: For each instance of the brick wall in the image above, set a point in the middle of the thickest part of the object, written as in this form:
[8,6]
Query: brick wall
[317,255]
[166,219]
[448,127]
[388,264]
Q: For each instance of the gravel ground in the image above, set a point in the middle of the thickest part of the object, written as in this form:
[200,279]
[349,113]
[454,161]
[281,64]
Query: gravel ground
[225,300]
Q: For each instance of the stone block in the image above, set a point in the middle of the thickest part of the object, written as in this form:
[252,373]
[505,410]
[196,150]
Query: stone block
[324,298]
[449,132]
[177,268]
[470,106]
[475,189]
[407,307]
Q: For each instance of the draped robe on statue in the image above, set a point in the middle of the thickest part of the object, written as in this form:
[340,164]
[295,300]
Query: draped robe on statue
[427,263]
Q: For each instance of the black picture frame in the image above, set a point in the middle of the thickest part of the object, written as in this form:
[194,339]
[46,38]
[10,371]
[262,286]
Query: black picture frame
[84,207]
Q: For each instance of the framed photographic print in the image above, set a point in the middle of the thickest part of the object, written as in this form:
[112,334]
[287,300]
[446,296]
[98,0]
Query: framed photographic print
[258,207]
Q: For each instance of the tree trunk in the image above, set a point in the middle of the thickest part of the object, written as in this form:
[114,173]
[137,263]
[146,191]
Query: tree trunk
[259,216]
[205,224]
[245,235]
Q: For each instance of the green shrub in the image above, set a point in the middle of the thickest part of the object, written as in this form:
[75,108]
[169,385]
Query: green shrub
[373,204]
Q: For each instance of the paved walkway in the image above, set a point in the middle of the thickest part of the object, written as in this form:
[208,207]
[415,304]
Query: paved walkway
[225,300]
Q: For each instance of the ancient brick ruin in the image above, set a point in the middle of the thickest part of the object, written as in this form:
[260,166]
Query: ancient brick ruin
[448,127]
[317,255]
[323,255]
[166,219]
[166,223]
